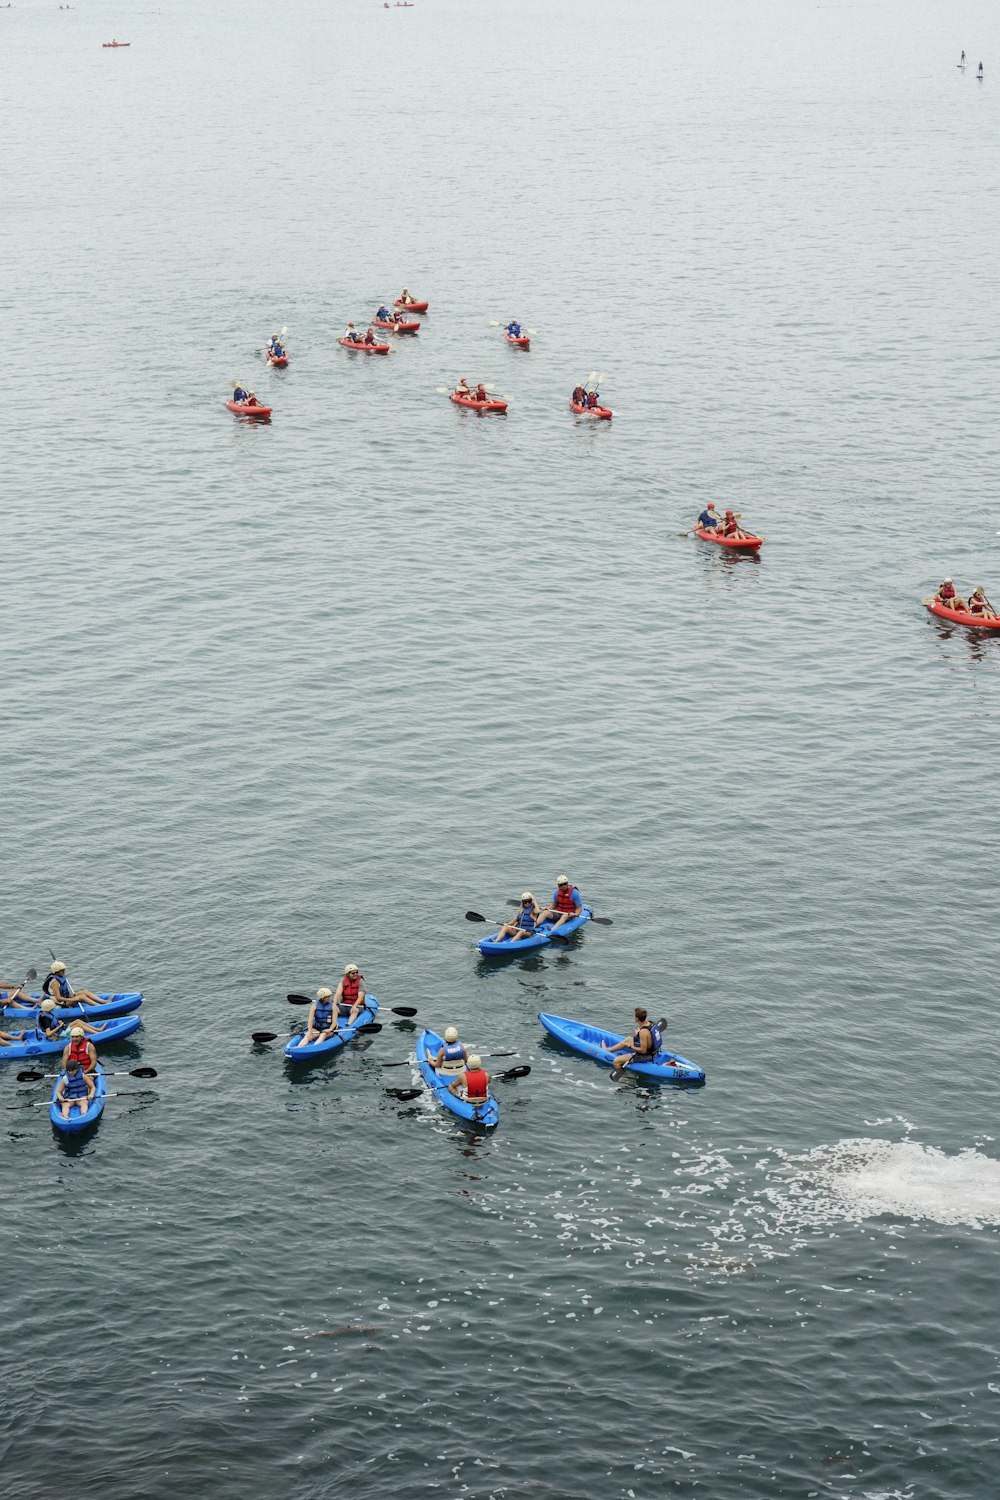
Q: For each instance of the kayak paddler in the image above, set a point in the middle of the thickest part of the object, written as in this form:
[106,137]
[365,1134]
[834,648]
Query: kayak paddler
[980,605]
[731,526]
[946,592]
[514,328]
[48,1027]
[78,1049]
[452,1059]
[473,1083]
[370,336]
[383,315]
[593,399]
[566,903]
[274,347]
[56,984]
[641,1046]
[462,389]
[10,994]
[579,396]
[480,393]
[708,520]
[74,1087]
[524,923]
[323,1020]
[350,996]
[351,334]
[405,298]
[240,396]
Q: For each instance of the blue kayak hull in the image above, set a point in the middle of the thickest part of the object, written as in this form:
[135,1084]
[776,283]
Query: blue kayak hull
[80,1120]
[487,1114]
[670,1067]
[114,1031]
[540,938]
[296,1052]
[113,1005]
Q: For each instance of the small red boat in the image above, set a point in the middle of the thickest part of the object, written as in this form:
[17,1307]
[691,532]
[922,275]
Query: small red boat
[244,410]
[474,405]
[402,326]
[279,361]
[737,543]
[961,616]
[521,342]
[116,44]
[364,348]
[603,412]
[413,307]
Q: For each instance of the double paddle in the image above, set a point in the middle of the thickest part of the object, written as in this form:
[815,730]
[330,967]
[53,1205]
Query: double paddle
[511,1073]
[370,1028]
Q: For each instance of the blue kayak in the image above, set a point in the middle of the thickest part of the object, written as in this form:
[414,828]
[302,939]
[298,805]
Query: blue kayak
[111,1005]
[669,1067]
[80,1119]
[487,1114]
[538,939]
[112,1031]
[297,1051]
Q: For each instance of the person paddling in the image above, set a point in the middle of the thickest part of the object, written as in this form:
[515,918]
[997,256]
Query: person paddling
[514,328]
[593,400]
[962,61]
[980,72]
[462,388]
[566,903]
[383,315]
[75,1087]
[451,1059]
[323,1021]
[55,983]
[579,396]
[980,605]
[708,520]
[48,1027]
[642,1046]
[79,1050]
[524,923]
[350,996]
[274,348]
[11,994]
[946,593]
[351,334]
[731,526]
[473,1084]
[240,395]
[405,299]
[370,336]
[481,393]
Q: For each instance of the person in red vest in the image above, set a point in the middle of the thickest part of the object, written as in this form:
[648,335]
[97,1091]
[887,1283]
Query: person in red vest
[566,902]
[350,994]
[79,1050]
[474,1083]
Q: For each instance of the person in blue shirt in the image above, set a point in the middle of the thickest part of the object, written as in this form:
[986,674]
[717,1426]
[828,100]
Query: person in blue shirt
[274,347]
[527,919]
[566,903]
[708,520]
[383,315]
[239,394]
[514,329]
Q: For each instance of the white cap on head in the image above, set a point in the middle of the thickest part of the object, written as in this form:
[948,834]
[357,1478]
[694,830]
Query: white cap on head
[527,896]
[351,969]
[563,880]
[58,967]
[324,994]
[949,580]
[475,1061]
[76,1031]
[48,1003]
[451,1034]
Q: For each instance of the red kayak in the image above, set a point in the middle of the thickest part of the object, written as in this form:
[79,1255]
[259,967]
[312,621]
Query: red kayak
[592,411]
[279,361]
[401,327]
[738,543]
[116,44]
[411,306]
[521,342]
[249,411]
[364,348]
[961,616]
[474,405]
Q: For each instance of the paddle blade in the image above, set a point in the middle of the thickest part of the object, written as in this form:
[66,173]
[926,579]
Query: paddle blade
[31,974]
[298,1000]
[369,1028]
[263,1036]
[603,921]
[404,1010]
[557,937]
[30,1077]
[405,1093]
[521,1072]
[143,1073]
[474,916]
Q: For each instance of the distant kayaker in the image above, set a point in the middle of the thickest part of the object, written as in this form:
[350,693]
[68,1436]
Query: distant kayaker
[451,1059]
[462,388]
[350,994]
[383,315]
[979,74]
[56,984]
[79,1050]
[593,399]
[370,336]
[351,334]
[641,1046]
[708,520]
[275,349]
[962,62]
[473,1083]
[405,298]
[980,605]
[566,903]
[74,1087]
[240,396]
[481,393]
[48,1027]
[514,328]
[579,396]
[323,1020]
[524,924]
[946,592]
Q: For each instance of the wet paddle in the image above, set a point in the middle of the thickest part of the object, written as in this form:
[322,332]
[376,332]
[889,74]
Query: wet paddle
[32,1077]
[409,1062]
[396,1010]
[602,921]
[259,1037]
[31,974]
[113,1094]
[511,1073]
[553,937]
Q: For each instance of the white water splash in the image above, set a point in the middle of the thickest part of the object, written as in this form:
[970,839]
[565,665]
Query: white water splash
[868,1178]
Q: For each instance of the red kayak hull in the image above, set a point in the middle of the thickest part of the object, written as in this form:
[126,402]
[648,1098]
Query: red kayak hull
[478,405]
[279,363]
[735,543]
[522,342]
[116,44]
[411,306]
[249,411]
[604,412]
[396,327]
[364,348]
[960,616]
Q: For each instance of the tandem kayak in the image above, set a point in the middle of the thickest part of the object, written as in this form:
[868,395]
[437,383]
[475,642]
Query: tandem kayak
[960,616]
[669,1067]
[487,1114]
[737,543]
[244,410]
[112,1031]
[604,412]
[400,327]
[364,348]
[111,1005]
[475,405]
[279,361]
[521,341]
[298,1051]
[80,1117]
[412,307]
[540,938]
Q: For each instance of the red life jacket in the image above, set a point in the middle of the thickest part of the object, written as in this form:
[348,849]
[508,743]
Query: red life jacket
[564,898]
[351,987]
[476,1083]
[79,1052]
[946,592]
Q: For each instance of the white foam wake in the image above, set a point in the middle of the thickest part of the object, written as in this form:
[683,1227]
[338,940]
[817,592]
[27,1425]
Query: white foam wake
[870,1178]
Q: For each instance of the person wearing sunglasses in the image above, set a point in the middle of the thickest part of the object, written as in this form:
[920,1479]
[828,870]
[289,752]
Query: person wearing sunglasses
[524,924]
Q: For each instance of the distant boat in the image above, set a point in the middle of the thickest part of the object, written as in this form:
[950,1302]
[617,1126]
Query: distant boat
[116,44]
